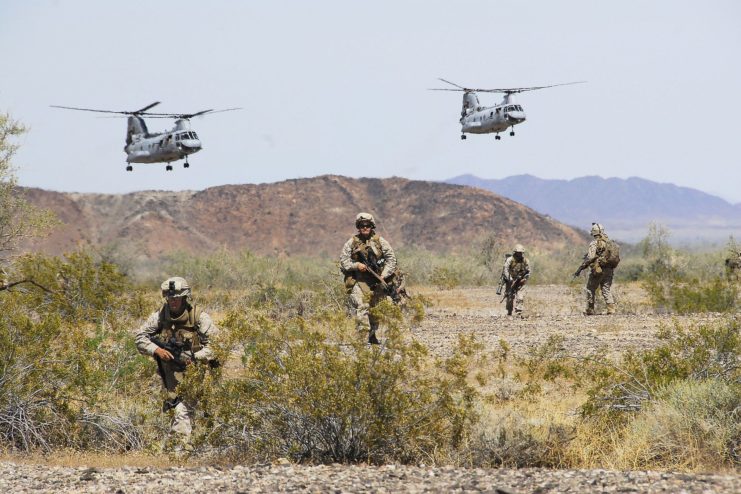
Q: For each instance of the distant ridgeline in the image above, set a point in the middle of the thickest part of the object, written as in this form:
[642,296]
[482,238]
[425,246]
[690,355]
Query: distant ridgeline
[624,206]
[309,217]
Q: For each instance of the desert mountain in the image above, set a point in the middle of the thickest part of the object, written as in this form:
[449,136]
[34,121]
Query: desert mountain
[312,216]
[625,206]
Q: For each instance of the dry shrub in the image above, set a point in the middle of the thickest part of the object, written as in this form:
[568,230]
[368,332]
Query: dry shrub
[691,426]
[312,391]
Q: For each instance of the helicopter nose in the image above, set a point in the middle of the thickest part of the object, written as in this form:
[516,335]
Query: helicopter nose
[517,116]
[191,144]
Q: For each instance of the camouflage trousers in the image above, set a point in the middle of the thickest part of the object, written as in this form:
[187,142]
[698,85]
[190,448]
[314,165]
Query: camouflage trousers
[603,281]
[363,298]
[516,302]
[181,420]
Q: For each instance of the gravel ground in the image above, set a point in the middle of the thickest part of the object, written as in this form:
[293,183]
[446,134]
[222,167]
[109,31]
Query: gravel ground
[338,478]
[550,310]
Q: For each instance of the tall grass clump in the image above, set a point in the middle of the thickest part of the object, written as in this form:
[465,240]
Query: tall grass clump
[642,410]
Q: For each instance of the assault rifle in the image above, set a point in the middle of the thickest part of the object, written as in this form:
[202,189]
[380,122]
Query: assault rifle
[178,351]
[512,288]
[372,266]
[587,261]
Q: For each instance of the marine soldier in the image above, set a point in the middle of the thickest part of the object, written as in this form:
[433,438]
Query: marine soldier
[516,272]
[368,263]
[177,335]
[602,258]
[733,267]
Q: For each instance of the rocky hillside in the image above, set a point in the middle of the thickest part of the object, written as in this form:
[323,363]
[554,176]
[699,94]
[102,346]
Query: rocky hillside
[625,206]
[311,216]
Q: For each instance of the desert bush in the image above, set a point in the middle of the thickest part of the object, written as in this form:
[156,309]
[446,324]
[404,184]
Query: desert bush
[311,390]
[67,358]
[691,425]
[697,352]
[244,269]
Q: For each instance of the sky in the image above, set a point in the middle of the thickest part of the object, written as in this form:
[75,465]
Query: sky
[340,87]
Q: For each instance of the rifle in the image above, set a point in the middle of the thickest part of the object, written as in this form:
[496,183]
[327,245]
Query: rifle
[587,261]
[178,351]
[502,277]
[391,289]
[511,290]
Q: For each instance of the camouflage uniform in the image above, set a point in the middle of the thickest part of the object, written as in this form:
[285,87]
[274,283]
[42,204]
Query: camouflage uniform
[516,267]
[600,276]
[733,267]
[192,330]
[364,290]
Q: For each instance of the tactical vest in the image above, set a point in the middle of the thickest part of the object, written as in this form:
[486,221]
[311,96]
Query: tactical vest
[517,269]
[184,329]
[373,243]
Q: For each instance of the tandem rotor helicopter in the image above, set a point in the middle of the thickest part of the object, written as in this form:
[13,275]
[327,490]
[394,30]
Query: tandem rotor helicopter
[477,119]
[143,146]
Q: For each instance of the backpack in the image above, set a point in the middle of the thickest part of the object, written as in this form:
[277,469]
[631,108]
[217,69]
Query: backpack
[611,254]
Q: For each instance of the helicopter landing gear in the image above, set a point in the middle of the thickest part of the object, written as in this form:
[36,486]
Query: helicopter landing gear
[497,137]
[129,168]
[512,133]
[463,137]
[168,168]
[186,165]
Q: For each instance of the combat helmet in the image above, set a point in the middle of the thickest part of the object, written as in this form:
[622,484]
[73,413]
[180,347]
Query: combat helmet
[175,287]
[597,229]
[519,249]
[364,218]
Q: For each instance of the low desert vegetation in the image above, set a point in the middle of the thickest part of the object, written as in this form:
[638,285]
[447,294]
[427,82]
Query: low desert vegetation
[300,383]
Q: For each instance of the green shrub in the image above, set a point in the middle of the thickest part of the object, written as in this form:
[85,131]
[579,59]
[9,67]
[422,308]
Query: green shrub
[698,352]
[311,390]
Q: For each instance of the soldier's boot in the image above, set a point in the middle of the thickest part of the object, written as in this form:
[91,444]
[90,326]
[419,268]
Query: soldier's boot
[372,334]
[590,310]
[610,308]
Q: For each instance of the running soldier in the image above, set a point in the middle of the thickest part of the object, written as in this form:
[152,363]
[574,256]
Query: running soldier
[368,263]
[602,258]
[177,335]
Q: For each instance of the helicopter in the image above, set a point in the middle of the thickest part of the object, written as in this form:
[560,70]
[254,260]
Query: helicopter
[143,146]
[477,119]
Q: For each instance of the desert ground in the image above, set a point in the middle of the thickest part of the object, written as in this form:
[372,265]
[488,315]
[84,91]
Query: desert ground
[550,310]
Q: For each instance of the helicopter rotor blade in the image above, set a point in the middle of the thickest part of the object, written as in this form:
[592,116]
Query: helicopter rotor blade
[187,116]
[90,109]
[512,90]
[452,84]
[146,108]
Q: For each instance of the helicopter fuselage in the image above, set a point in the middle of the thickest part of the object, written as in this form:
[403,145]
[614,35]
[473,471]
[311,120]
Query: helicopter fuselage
[176,144]
[492,119]
[162,148]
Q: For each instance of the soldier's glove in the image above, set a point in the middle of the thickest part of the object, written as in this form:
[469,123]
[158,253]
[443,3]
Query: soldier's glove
[577,273]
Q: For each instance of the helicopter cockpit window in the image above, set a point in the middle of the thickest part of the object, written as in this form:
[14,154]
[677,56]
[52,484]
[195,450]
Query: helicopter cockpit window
[195,136]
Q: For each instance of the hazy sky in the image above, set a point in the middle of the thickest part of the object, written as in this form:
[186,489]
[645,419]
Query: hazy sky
[340,87]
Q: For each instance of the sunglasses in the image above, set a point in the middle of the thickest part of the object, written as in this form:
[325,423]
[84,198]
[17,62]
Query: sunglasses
[365,225]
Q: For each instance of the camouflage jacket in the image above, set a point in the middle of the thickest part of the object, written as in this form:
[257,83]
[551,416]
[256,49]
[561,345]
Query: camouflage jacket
[513,269]
[201,334]
[380,247]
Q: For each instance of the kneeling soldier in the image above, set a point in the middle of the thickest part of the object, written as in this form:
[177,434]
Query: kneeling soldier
[177,335]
